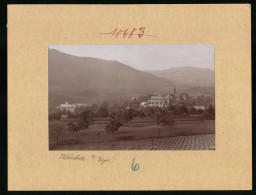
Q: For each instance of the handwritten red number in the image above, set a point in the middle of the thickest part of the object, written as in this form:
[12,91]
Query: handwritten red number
[117,32]
[125,33]
[113,32]
[132,32]
[142,29]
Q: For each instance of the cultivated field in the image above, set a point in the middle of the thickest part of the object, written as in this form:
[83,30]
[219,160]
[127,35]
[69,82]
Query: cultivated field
[196,142]
[189,133]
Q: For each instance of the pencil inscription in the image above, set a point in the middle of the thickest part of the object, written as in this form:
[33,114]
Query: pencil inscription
[99,159]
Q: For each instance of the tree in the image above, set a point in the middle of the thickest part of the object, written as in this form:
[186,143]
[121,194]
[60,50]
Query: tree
[114,108]
[135,103]
[165,118]
[182,110]
[113,124]
[149,111]
[173,109]
[87,116]
[94,108]
[55,116]
[122,117]
[142,114]
[71,115]
[105,105]
[57,130]
[102,112]
[126,103]
[209,113]
[86,119]
[73,127]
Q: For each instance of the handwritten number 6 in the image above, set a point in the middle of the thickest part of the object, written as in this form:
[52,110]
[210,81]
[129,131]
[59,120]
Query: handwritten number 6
[136,166]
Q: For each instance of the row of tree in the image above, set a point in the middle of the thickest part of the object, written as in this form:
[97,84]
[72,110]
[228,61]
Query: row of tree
[105,110]
[164,116]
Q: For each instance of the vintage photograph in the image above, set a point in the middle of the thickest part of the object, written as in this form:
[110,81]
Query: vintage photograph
[131,97]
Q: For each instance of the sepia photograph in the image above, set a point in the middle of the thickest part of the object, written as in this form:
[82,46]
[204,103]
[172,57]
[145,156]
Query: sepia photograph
[131,97]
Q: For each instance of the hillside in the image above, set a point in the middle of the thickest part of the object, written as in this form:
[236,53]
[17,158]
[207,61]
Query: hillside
[189,76]
[199,91]
[92,80]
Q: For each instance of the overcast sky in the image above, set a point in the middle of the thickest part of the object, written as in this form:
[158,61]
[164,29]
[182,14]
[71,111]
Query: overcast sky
[147,57]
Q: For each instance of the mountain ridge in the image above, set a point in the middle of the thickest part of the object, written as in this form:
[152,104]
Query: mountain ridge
[93,80]
[176,67]
[188,75]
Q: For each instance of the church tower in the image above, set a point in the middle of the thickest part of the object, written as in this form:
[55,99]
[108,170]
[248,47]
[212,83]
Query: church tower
[174,90]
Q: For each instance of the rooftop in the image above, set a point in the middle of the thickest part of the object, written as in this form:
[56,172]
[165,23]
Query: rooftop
[158,97]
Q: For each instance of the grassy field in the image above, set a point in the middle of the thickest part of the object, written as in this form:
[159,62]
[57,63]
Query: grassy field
[145,134]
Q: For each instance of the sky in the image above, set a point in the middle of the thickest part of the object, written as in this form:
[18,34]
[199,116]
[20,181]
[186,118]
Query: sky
[147,57]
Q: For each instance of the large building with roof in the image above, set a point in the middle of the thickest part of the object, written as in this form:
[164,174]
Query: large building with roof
[160,101]
[70,107]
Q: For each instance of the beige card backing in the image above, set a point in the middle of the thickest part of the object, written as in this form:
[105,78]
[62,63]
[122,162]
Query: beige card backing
[31,28]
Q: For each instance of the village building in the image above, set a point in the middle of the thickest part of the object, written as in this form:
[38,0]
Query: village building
[78,105]
[160,101]
[199,107]
[194,97]
[173,95]
[70,107]
[67,107]
[143,104]
[64,117]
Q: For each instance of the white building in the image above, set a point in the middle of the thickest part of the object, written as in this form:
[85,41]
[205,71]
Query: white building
[143,104]
[64,117]
[78,105]
[158,100]
[70,107]
[199,107]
